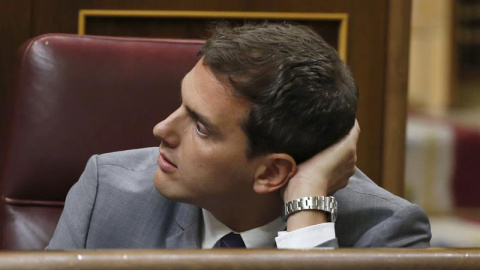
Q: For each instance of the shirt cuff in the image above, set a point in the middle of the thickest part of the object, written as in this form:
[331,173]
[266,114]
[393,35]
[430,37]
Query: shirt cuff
[308,237]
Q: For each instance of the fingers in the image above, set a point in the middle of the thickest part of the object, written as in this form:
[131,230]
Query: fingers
[349,158]
[350,141]
[354,133]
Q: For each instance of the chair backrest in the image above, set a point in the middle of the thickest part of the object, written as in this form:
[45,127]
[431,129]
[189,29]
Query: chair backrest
[75,96]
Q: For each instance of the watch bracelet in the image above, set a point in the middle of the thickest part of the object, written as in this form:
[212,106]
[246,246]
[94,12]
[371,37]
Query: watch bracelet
[327,204]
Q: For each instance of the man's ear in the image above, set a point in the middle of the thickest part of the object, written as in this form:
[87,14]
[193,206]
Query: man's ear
[274,173]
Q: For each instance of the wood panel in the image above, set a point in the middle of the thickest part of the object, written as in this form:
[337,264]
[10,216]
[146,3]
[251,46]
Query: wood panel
[15,29]
[367,55]
[395,104]
[188,24]
[185,27]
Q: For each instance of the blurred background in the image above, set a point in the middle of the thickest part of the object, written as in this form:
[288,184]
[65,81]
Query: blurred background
[443,123]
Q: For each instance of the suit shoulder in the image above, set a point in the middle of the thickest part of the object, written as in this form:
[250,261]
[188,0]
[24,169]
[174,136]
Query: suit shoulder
[133,160]
[362,188]
[370,216]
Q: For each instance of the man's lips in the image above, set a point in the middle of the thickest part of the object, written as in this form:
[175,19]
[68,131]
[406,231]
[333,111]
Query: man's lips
[165,164]
[166,159]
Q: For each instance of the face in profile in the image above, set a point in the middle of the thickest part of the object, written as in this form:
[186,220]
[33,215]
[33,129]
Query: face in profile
[203,150]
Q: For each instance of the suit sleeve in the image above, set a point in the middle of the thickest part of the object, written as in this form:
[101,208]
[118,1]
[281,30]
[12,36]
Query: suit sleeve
[72,228]
[407,227]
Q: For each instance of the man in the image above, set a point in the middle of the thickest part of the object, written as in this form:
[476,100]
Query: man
[262,100]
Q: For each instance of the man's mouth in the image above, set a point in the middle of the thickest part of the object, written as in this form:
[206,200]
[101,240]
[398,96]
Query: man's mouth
[165,164]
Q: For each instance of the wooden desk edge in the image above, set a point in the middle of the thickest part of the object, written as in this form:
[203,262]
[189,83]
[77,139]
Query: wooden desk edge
[245,259]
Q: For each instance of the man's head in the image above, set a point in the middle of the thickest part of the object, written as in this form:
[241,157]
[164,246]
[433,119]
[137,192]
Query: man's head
[260,100]
[303,97]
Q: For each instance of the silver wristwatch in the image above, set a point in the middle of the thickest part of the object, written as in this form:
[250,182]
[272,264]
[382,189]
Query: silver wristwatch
[320,203]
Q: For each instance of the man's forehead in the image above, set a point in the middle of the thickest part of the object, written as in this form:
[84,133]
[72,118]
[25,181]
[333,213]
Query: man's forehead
[205,94]
[203,80]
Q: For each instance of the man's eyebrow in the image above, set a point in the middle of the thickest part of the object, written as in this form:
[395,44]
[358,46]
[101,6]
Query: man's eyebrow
[202,119]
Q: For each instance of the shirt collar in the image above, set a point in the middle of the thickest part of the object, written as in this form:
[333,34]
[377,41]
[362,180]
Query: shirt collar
[260,237]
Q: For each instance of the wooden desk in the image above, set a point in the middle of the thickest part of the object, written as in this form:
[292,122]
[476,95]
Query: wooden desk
[245,259]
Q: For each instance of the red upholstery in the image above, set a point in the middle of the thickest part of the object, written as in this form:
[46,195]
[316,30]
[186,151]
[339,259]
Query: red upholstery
[76,96]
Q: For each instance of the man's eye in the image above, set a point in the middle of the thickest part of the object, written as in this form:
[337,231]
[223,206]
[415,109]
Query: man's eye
[201,130]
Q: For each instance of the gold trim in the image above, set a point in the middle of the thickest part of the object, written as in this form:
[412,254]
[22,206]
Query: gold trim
[342,17]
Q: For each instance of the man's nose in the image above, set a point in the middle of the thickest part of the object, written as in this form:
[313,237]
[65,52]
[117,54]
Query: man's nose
[168,130]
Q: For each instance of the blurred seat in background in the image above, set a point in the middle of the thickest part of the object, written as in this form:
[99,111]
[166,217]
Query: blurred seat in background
[442,175]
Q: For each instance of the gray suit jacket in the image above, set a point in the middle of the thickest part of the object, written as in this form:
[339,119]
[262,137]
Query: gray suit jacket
[115,205]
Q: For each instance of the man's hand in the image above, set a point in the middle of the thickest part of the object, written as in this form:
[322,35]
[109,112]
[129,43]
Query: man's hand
[321,175]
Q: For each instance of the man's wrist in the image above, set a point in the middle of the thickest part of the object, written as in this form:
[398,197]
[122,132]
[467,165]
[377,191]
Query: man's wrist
[304,219]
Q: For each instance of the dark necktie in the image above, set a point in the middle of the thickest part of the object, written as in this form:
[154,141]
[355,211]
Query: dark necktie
[231,240]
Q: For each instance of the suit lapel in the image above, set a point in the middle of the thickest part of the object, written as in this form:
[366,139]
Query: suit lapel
[187,232]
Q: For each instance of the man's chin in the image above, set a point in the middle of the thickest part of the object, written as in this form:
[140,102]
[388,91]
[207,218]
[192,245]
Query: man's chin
[167,187]
[160,181]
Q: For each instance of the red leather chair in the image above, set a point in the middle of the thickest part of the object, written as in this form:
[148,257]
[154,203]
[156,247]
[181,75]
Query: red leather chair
[75,96]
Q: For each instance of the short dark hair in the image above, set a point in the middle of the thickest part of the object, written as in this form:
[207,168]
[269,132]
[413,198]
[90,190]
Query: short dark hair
[303,96]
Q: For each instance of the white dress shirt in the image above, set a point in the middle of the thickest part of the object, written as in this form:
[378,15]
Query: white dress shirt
[270,235]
